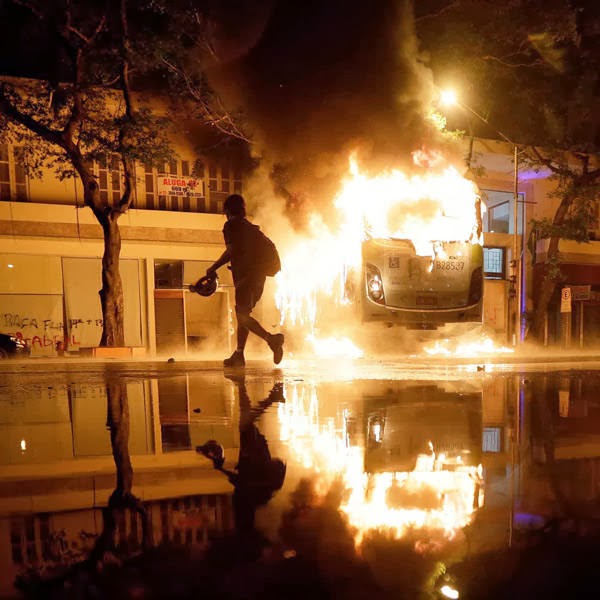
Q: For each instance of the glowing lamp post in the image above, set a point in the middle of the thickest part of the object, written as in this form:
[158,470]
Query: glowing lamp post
[449,98]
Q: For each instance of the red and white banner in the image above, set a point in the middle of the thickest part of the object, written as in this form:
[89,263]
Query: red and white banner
[184,187]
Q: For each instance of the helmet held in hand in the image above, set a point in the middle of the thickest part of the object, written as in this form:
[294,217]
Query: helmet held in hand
[205,286]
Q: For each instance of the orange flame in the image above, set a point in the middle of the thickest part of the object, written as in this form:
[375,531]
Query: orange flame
[435,203]
[443,497]
[466,347]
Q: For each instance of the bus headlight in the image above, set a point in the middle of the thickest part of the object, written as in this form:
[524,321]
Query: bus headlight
[374,284]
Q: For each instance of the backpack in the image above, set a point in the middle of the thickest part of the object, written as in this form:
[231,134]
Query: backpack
[267,257]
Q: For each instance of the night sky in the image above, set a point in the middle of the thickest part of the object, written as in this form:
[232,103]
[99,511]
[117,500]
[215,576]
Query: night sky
[318,79]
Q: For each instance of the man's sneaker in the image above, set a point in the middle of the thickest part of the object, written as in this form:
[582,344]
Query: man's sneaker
[235,360]
[276,344]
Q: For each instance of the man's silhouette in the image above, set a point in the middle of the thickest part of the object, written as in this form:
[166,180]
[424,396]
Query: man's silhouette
[249,275]
[256,476]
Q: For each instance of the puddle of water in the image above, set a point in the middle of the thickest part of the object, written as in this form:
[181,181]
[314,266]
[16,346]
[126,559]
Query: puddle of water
[444,475]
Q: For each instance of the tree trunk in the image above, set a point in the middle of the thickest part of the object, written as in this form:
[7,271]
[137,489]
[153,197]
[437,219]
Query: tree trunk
[122,497]
[111,294]
[118,422]
[546,290]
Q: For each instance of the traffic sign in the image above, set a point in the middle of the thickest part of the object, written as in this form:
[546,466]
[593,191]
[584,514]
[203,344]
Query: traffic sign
[580,293]
[565,300]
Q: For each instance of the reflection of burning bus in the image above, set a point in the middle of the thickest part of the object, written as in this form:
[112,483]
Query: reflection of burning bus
[420,421]
[400,287]
[422,451]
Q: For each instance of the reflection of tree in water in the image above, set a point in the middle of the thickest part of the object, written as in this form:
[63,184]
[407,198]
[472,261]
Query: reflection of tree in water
[104,551]
[122,497]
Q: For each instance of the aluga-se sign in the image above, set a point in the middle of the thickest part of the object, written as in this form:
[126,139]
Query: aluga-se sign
[185,187]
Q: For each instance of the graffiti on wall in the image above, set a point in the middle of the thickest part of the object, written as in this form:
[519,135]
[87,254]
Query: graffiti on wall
[46,333]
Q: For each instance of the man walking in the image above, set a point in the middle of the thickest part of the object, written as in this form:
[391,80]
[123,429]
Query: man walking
[242,239]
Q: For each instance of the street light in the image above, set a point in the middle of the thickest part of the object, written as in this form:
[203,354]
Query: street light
[448,97]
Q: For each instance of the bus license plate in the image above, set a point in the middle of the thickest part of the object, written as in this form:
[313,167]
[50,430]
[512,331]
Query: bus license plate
[427,301]
[449,265]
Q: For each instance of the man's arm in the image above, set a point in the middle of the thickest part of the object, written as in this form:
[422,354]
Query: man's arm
[222,260]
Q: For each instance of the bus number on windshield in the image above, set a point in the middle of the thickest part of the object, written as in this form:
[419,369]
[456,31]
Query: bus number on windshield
[449,265]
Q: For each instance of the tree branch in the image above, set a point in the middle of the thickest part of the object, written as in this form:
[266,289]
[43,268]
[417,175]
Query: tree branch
[129,119]
[87,39]
[77,111]
[547,162]
[534,63]
[16,116]
[223,122]
[439,13]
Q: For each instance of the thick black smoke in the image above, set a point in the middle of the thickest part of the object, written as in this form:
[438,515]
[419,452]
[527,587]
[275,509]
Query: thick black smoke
[316,79]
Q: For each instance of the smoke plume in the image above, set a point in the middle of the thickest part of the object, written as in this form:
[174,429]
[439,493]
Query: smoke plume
[315,80]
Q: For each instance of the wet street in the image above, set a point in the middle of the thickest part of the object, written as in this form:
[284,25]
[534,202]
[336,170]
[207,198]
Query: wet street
[426,478]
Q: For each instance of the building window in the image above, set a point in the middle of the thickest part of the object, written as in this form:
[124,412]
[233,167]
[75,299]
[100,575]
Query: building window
[150,186]
[13,182]
[168,275]
[494,263]
[110,179]
[222,181]
[499,214]
[492,439]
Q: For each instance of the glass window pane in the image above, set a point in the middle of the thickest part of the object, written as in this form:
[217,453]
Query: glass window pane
[185,167]
[115,178]
[492,439]
[4,176]
[19,172]
[493,263]
[500,218]
[21,192]
[149,184]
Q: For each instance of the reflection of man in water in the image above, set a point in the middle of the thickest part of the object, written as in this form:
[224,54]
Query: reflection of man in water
[257,476]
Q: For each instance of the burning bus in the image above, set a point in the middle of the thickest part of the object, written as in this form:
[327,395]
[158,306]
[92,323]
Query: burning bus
[421,254]
[421,292]
[407,250]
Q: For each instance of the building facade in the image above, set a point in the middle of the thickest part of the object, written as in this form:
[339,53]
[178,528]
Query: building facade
[51,248]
